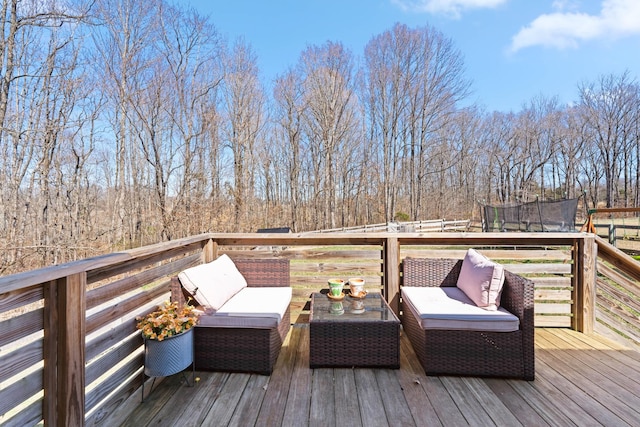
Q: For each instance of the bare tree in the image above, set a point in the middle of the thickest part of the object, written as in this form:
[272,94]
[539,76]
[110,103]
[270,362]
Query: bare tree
[462,166]
[414,81]
[608,108]
[168,116]
[289,109]
[536,140]
[36,101]
[122,45]
[244,103]
[570,152]
[330,120]
[498,138]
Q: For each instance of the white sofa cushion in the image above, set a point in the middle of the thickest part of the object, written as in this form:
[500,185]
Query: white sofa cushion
[259,307]
[481,280]
[214,283]
[450,308]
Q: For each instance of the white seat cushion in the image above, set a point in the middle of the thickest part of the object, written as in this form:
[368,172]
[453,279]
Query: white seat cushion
[259,307]
[214,283]
[450,308]
[481,280]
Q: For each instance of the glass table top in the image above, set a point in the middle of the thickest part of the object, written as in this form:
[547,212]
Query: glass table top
[371,308]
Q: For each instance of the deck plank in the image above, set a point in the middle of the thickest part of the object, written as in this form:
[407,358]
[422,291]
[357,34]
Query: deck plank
[581,380]
[224,406]
[492,404]
[472,410]
[369,399]
[441,402]
[159,395]
[272,414]
[521,407]
[539,402]
[612,352]
[410,379]
[622,381]
[183,407]
[207,390]
[598,386]
[322,411]
[299,398]
[346,398]
[246,412]
[393,399]
[564,379]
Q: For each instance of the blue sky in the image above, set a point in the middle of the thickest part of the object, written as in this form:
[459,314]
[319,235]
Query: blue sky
[514,50]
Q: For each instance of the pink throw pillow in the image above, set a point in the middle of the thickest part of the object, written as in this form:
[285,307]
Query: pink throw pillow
[481,280]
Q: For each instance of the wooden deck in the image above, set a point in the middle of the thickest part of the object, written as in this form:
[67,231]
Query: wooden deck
[580,381]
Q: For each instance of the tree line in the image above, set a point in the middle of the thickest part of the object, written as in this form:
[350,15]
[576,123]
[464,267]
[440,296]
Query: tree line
[128,122]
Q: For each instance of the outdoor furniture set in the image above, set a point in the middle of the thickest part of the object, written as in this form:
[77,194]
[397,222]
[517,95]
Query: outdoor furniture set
[463,317]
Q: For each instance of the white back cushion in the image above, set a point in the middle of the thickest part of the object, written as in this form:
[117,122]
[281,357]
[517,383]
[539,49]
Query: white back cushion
[481,280]
[214,283]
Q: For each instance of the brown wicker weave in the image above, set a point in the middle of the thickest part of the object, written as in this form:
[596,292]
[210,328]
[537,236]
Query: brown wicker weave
[472,353]
[242,349]
[370,339]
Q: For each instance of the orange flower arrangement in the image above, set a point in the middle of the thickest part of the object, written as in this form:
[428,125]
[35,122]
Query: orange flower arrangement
[168,320]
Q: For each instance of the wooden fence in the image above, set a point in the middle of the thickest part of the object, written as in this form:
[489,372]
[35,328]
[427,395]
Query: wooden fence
[70,352]
[623,236]
[426,226]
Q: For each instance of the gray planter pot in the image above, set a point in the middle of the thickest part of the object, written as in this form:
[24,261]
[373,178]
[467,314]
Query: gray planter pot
[169,356]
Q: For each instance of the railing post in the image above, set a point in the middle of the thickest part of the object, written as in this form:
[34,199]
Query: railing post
[209,251]
[584,284]
[612,234]
[65,330]
[391,271]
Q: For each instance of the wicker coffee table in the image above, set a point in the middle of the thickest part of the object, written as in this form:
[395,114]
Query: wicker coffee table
[361,332]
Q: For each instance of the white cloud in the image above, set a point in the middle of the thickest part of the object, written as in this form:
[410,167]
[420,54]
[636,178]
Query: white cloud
[562,5]
[617,18]
[449,7]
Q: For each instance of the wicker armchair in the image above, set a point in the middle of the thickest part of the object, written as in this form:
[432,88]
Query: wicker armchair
[242,349]
[472,353]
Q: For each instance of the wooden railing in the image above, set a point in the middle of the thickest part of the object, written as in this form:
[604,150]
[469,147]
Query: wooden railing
[618,295]
[70,352]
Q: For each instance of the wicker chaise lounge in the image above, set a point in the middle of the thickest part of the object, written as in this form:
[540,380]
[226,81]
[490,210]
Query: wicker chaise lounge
[470,352]
[237,343]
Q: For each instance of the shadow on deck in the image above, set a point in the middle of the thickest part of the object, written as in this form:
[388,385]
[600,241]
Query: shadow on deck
[580,380]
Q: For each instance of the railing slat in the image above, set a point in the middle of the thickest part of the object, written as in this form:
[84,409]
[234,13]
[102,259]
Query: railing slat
[20,359]
[117,288]
[103,342]
[120,378]
[124,306]
[16,299]
[114,356]
[29,415]
[16,393]
[21,326]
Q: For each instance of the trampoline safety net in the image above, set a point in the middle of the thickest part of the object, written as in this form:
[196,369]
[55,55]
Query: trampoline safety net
[556,215]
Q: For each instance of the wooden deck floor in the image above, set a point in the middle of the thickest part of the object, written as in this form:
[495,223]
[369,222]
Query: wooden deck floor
[580,381]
